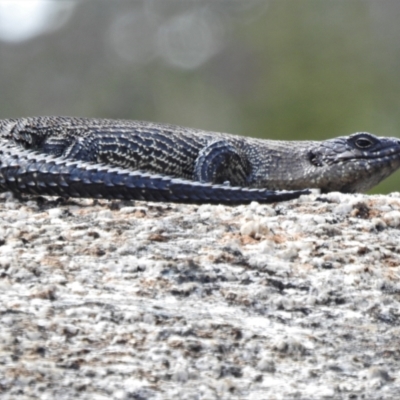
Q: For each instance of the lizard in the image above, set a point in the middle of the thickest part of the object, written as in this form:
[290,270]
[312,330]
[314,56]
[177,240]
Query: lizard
[123,159]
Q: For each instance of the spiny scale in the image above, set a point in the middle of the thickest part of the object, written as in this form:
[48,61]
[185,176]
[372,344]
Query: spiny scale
[23,171]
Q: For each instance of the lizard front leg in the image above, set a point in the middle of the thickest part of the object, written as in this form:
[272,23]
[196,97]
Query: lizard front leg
[221,162]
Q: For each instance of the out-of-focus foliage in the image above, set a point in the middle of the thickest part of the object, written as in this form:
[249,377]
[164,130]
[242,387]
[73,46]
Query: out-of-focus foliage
[287,69]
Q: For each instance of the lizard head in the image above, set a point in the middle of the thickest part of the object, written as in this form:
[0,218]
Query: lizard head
[354,163]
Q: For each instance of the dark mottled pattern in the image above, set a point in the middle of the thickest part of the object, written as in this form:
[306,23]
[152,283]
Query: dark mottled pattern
[119,159]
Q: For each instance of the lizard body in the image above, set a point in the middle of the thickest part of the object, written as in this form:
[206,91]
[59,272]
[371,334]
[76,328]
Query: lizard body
[82,157]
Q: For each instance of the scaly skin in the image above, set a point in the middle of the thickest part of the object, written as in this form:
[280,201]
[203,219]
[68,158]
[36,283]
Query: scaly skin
[28,172]
[193,163]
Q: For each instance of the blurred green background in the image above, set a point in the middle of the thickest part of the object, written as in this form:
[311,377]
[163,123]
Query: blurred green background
[283,69]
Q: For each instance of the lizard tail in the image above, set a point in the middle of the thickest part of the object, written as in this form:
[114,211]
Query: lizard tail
[23,171]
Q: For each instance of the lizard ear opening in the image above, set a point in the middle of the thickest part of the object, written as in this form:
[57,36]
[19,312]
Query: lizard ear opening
[315,159]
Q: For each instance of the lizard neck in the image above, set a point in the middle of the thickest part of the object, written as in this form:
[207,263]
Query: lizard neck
[279,164]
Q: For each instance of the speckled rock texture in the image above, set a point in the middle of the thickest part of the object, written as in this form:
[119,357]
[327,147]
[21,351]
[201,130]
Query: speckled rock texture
[125,300]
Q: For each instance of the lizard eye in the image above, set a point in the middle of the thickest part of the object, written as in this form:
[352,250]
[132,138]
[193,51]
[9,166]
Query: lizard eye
[363,143]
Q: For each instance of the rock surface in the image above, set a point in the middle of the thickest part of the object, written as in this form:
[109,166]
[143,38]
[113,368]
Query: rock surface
[124,300]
